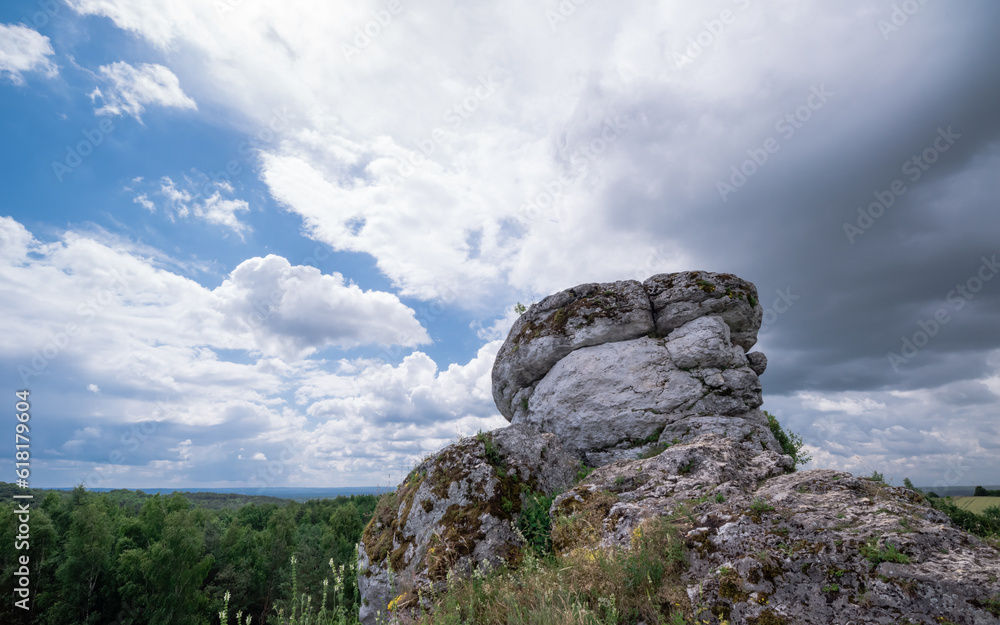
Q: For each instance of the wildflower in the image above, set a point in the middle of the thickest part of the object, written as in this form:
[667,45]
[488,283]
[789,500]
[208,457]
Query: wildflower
[394,603]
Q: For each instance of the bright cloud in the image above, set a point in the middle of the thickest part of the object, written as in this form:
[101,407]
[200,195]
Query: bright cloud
[478,173]
[213,207]
[155,344]
[295,311]
[132,88]
[24,50]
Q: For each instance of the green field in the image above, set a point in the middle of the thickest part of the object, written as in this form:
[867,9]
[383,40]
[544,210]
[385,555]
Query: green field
[976,504]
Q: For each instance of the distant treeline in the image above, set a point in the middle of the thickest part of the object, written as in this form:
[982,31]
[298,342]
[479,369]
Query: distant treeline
[213,501]
[982,492]
[124,557]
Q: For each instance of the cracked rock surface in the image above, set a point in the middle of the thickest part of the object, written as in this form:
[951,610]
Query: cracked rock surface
[813,547]
[615,369]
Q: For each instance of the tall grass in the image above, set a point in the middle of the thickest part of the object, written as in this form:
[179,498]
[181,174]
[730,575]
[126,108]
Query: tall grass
[588,586]
[301,611]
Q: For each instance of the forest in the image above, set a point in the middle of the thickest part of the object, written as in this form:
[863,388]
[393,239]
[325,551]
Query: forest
[127,558]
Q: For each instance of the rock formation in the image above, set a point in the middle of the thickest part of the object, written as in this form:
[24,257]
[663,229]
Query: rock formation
[652,384]
[615,369]
[457,510]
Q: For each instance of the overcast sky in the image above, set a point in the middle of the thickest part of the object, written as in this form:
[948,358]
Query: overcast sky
[249,243]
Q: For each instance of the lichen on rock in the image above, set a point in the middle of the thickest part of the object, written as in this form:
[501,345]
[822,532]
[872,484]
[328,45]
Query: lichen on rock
[457,510]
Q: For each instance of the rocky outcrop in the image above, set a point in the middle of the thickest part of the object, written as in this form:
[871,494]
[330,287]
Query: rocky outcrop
[652,384]
[617,369]
[593,314]
[814,547]
[458,509]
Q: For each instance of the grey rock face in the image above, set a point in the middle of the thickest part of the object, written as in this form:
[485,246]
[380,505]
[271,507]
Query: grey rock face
[589,314]
[758,362]
[616,400]
[814,547]
[455,511]
[678,298]
[613,369]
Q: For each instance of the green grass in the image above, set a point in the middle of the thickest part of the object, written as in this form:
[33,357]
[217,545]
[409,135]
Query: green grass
[976,504]
[587,586]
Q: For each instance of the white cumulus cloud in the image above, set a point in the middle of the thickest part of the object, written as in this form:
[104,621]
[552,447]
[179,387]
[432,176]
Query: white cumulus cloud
[24,50]
[294,311]
[132,88]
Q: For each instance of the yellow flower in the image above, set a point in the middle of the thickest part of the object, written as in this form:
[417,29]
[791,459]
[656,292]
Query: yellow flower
[394,603]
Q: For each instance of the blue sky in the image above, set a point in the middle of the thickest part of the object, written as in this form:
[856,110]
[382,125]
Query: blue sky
[246,244]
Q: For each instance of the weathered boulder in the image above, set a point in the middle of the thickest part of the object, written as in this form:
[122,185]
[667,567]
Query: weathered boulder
[757,362]
[457,510]
[614,369]
[678,298]
[588,314]
[617,400]
[593,314]
[769,547]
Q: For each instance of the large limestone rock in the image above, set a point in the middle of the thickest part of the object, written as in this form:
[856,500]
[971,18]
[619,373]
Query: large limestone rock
[589,314]
[595,314]
[457,510]
[678,298]
[814,547]
[670,375]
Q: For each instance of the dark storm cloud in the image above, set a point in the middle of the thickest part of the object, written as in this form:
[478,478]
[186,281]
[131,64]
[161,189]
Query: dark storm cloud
[919,108]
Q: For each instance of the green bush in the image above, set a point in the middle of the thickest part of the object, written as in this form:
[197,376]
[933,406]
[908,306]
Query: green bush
[791,444]
[535,524]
